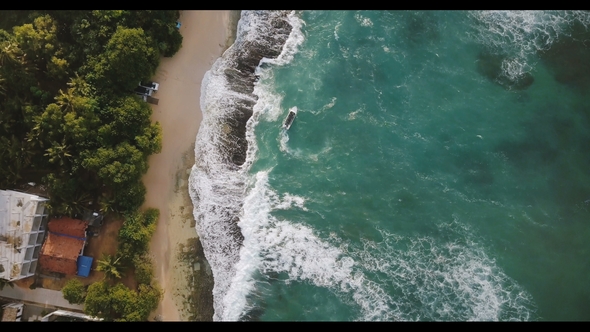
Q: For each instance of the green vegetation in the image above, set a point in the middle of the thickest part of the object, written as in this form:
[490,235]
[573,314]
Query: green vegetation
[68,116]
[118,302]
[4,283]
[70,121]
[74,291]
[111,266]
[144,269]
[135,234]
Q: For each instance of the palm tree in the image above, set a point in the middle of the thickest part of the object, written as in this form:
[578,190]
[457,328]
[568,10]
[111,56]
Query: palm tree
[59,153]
[9,52]
[79,86]
[107,205]
[111,266]
[79,201]
[66,100]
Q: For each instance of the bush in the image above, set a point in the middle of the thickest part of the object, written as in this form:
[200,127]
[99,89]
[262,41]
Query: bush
[120,303]
[98,300]
[130,198]
[144,269]
[135,235]
[74,291]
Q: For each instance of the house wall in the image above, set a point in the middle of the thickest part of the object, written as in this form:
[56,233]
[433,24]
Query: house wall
[23,222]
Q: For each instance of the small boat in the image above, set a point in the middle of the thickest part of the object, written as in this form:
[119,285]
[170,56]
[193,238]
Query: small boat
[290,118]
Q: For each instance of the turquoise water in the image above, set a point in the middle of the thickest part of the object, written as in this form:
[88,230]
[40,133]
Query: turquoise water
[437,169]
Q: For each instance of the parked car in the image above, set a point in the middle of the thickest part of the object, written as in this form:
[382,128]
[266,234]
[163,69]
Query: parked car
[150,85]
[143,91]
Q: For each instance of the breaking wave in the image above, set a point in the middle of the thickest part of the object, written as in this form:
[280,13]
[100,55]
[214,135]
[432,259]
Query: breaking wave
[518,35]
[217,180]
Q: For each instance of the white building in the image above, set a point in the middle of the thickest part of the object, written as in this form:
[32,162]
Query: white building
[64,315]
[12,312]
[23,220]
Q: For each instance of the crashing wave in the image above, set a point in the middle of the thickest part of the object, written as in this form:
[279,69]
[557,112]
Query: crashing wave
[216,183]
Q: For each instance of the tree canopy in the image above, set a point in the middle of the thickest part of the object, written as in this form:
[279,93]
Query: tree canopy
[68,116]
[74,291]
[119,303]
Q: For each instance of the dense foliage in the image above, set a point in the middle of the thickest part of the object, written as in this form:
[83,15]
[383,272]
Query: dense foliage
[119,303]
[74,291]
[68,116]
[69,120]
[135,234]
[111,266]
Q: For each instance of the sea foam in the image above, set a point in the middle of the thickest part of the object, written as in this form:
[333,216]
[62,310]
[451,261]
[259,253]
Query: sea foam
[520,34]
[432,279]
[217,180]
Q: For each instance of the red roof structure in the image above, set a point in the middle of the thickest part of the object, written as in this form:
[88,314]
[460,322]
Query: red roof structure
[68,226]
[64,243]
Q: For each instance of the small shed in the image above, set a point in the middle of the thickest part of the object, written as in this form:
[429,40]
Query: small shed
[63,245]
[84,264]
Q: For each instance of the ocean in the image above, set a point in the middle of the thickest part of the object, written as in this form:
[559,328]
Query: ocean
[437,169]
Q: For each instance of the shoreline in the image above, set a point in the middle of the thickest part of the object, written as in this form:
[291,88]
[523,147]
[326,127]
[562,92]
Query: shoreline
[222,149]
[206,35]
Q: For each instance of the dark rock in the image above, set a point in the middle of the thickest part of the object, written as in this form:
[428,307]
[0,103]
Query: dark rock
[246,56]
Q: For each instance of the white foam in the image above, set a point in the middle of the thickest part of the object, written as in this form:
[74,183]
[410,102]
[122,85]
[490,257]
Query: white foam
[273,245]
[520,34]
[283,142]
[352,115]
[472,286]
[330,104]
[217,188]
[216,185]
[268,106]
[295,39]
[438,280]
[336,29]
[515,68]
[363,21]
[461,272]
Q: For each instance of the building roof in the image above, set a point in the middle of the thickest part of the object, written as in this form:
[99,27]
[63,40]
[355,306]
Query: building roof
[84,264]
[64,243]
[68,226]
[11,312]
[23,219]
[64,315]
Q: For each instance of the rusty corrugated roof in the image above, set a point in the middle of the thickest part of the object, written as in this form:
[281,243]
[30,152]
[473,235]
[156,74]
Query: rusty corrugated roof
[69,226]
[63,245]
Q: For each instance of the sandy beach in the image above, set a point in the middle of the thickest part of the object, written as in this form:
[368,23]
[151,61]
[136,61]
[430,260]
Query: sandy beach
[206,34]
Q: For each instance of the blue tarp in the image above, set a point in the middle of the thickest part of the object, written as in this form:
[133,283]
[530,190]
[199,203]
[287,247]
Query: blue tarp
[67,235]
[84,264]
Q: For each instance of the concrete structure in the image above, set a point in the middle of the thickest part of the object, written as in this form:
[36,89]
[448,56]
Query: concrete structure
[63,246]
[64,315]
[23,221]
[43,297]
[12,312]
